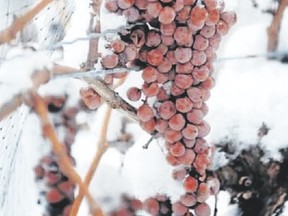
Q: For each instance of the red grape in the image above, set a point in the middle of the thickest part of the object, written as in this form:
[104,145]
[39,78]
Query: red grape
[179,209]
[150,74]
[190,184]
[177,149]
[110,61]
[202,209]
[153,39]
[184,104]
[167,109]
[183,55]
[145,113]
[190,132]
[172,135]
[167,15]
[124,4]
[155,57]
[134,94]
[183,81]
[177,122]
[183,36]
[188,200]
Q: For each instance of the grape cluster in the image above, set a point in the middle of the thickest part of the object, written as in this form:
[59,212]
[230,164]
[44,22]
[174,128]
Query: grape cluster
[175,42]
[56,189]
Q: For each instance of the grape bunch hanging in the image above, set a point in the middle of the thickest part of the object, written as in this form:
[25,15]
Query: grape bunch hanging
[175,43]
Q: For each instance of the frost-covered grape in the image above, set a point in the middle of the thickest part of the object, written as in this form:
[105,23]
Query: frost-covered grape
[200,43]
[134,94]
[177,149]
[229,17]
[148,126]
[150,74]
[167,109]
[190,184]
[184,104]
[153,9]
[90,98]
[179,209]
[213,17]
[168,29]
[124,4]
[202,209]
[188,157]
[208,31]
[132,14]
[183,14]
[167,15]
[195,94]
[203,129]
[162,94]
[176,91]
[185,68]
[195,116]
[161,125]
[54,196]
[117,46]
[183,81]
[203,192]
[198,15]
[145,113]
[183,36]
[155,57]
[172,135]
[199,58]
[165,66]
[200,74]
[190,132]
[183,55]
[111,5]
[153,39]
[222,28]
[110,61]
[151,205]
[179,173]
[177,122]
[150,89]
[188,200]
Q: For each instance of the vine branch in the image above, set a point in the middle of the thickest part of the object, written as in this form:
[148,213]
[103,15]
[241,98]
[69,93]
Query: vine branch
[19,23]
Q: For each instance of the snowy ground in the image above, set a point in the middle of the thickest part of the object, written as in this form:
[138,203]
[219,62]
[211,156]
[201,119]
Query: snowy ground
[248,92]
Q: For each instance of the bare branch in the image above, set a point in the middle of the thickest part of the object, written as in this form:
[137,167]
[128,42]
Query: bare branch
[274,29]
[19,23]
[59,150]
[112,98]
[101,149]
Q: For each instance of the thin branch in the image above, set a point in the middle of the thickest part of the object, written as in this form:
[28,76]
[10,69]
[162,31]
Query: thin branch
[274,29]
[112,98]
[18,24]
[59,150]
[10,106]
[101,149]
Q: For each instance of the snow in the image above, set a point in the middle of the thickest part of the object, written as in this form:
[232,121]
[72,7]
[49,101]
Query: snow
[248,93]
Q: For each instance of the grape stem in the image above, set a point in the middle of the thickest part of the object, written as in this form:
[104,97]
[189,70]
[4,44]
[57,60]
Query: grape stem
[19,23]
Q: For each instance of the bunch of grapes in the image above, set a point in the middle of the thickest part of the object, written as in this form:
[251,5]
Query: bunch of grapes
[56,189]
[175,42]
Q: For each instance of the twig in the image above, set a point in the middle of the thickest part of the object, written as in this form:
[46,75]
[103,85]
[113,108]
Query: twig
[10,33]
[10,106]
[102,147]
[274,29]
[94,27]
[59,150]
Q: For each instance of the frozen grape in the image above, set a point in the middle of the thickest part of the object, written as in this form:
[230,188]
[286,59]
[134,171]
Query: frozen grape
[153,39]
[188,200]
[184,14]
[90,98]
[176,91]
[161,125]
[141,5]
[183,81]
[165,66]
[132,14]
[195,94]
[185,68]
[155,57]
[183,55]
[179,209]
[179,173]
[202,209]
[110,61]
[198,15]
[168,29]
[199,58]
[172,135]
[208,31]
[203,129]
[167,15]
[111,5]
[190,184]
[134,94]
[151,205]
[189,143]
[124,4]
[188,157]
[200,74]
[167,40]
[148,126]
[229,17]
[195,116]
[177,122]
[177,149]
[190,132]
[54,196]
[138,37]
[183,105]
[117,45]
[150,74]
[150,89]
[201,145]
[131,52]
[154,9]
[183,36]
[222,28]
[213,17]
[178,5]
[200,43]
[167,109]
[145,113]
